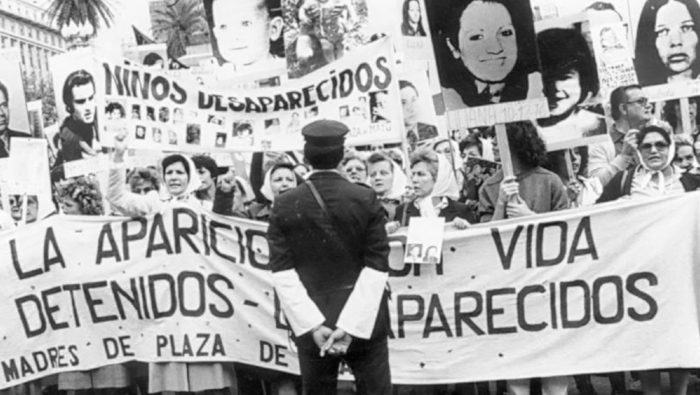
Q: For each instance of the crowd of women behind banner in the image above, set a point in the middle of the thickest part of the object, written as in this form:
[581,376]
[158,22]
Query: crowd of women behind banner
[608,136]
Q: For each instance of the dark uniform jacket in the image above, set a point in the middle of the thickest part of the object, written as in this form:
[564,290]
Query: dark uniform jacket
[330,265]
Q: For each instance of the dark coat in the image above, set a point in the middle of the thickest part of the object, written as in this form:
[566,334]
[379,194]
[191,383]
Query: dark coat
[621,185]
[299,239]
[453,210]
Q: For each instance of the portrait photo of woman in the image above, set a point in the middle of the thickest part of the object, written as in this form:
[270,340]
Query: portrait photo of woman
[412,23]
[486,52]
[666,47]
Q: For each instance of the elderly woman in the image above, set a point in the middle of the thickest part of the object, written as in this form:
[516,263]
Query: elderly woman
[487,52]
[436,191]
[280,178]
[355,168]
[684,157]
[387,180]
[181,181]
[654,176]
[667,41]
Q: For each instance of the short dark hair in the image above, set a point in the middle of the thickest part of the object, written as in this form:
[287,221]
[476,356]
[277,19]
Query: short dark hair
[76,78]
[407,84]
[603,6]
[653,129]
[115,106]
[471,140]
[526,144]
[650,67]
[151,59]
[564,50]
[619,97]
[169,160]
[380,157]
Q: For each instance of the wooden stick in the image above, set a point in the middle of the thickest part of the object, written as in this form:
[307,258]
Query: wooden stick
[504,150]
[685,115]
[569,166]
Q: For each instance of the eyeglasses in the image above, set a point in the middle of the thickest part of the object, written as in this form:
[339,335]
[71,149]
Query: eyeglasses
[643,101]
[660,146]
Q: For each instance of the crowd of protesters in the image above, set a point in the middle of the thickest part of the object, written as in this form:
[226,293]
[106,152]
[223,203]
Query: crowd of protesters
[643,157]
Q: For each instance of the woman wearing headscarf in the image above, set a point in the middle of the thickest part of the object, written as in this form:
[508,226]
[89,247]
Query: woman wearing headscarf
[436,191]
[388,181]
[450,150]
[180,181]
[280,178]
[655,175]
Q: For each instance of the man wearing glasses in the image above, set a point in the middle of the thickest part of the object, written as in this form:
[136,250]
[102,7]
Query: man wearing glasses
[631,111]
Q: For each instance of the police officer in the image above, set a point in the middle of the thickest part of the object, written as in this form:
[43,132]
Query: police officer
[329,257]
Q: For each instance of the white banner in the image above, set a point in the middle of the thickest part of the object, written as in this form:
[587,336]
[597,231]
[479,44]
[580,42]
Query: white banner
[159,111]
[556,294]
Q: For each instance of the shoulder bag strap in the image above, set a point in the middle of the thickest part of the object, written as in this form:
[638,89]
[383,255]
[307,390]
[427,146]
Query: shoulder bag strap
[330,230]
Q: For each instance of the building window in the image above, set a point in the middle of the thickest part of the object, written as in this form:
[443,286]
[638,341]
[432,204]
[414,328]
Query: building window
[21,50]
[30,50]
[53,40]
[12,27]
[29,32]
[21,29]
[4,41]
[13,43]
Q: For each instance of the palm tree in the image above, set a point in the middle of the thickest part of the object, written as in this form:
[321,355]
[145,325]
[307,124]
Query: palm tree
[177,23]
[80,12]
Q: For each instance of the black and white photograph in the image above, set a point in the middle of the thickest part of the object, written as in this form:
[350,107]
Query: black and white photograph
[486,51]
[14,121]
[194,132]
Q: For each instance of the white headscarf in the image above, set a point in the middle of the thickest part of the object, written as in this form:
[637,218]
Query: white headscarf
[445,186]
[399,182]
[266,188]
[456,164]
[193,182]
[644,174]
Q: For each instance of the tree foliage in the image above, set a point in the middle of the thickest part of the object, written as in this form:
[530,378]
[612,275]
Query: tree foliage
[79,12]
[177,24]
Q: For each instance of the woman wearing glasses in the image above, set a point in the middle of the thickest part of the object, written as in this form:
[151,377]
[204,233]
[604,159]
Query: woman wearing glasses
[655,175]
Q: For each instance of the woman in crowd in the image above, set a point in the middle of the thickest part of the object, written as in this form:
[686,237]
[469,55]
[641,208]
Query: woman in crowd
[208,171]
[667,42]
[180,181]
[654,176]
[143,180]
[531,190]
[449,149]
[280,178]
[387,180]
[582,191]
[436,191]
[684,157]
[412,24]
[487,52]
[355,168]
[672,111]
[80,196]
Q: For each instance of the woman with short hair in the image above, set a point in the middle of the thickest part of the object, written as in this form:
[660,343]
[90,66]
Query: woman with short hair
[436,191]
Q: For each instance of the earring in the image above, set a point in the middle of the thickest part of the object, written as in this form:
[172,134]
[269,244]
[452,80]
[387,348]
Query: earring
[456,54]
